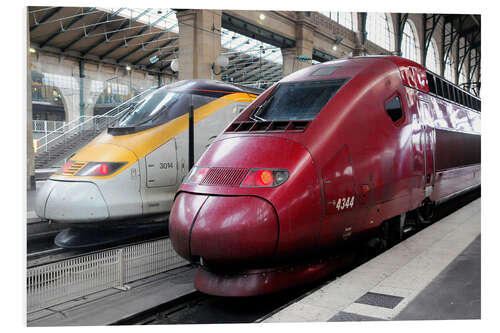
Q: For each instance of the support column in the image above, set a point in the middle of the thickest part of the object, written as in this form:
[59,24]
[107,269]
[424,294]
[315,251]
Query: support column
[30,168]
[159,80]
[304,37]
[82,95]
[361,36]
[290,60]
[199,43]
[304,44]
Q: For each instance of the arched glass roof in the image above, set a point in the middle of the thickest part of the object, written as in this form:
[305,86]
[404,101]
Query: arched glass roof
[250,61]
[432,58]
[409,47]
[345,19]
[379,30]
[162,18]
[449,72]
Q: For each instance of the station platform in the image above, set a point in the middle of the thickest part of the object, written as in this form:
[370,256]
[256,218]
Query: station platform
[435,274]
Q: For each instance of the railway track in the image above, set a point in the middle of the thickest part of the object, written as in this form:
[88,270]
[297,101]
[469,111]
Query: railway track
[55,253]
[41,235]
[198,308]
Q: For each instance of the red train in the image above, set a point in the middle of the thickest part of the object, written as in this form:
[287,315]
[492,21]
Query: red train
[331,152]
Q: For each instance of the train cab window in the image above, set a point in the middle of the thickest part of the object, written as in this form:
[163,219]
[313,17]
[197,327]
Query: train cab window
[297,100]
[161,106]
[394,109]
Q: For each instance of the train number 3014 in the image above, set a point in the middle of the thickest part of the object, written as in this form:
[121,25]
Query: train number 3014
[344,203]
[167,165]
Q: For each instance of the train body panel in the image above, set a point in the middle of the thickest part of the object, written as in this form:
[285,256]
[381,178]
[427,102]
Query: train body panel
[137,167]
[297,211]
[380,144]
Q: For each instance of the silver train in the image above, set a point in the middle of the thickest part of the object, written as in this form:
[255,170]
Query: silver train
[134,168]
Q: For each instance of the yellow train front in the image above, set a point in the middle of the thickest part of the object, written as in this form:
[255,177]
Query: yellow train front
[133,169]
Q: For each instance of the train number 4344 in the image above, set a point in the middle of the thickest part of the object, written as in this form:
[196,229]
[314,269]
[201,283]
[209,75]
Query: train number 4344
[344,203]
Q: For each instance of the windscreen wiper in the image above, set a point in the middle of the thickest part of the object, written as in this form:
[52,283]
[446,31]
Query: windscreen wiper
[254,116]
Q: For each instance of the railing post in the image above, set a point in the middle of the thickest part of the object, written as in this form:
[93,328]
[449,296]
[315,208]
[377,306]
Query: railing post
[121,272]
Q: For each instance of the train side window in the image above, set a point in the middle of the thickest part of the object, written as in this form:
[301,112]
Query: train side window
[452,93]
[431,83]
[394,109]
[445,90]
[439,87]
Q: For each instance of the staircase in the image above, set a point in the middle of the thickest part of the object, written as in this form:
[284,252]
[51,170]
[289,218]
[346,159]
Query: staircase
[63,142]
[63,149]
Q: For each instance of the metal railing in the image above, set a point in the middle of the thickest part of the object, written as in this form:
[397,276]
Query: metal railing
[66,280]
[84,124]
[47,126]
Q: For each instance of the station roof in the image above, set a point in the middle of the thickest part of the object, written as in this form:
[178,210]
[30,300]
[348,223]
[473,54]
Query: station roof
[114,35]
[143,38]
[467,26]
[147,39]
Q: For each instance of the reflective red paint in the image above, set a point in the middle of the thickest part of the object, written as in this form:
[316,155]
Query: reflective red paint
[350,170]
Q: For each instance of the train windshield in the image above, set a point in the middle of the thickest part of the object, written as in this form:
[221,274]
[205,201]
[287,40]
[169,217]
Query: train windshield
[160,107]
[297,100]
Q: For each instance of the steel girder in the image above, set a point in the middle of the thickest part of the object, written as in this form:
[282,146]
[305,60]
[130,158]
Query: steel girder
[124,43]
[86,33]
[45,18]
[62,29]
[167,43]
[402,18]
[430,24]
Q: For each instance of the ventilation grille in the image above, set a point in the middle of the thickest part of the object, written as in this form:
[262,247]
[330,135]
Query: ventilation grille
[74,168]
[224,176]
[269,126]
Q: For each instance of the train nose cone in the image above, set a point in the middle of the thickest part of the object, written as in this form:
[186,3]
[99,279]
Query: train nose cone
[223,228]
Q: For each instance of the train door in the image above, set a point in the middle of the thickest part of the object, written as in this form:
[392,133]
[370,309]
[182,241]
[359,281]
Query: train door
[339,197]
[428,144]
[161,165]
[161,178]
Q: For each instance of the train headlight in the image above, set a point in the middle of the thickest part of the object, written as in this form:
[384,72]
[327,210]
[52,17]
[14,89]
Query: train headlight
[99,169]
[265,178]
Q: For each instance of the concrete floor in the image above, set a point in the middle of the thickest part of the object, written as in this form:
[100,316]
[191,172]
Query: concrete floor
[435,274]
[454,294]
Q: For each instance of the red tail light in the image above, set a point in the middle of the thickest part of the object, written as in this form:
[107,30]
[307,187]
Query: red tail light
[103,169]
[265,178]
[100,169]
[66,166]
